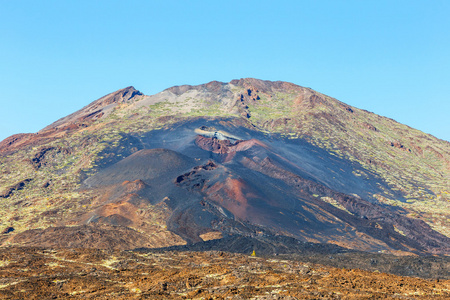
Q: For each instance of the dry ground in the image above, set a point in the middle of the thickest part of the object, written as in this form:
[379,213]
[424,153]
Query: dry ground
[36,273]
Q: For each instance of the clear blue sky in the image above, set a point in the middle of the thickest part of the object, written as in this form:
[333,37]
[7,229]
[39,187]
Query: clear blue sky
[388,57]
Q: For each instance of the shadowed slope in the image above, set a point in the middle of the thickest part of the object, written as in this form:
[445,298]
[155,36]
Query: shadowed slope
[142,165]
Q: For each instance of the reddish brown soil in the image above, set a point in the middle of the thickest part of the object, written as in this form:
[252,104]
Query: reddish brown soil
[225,148]
[33,273]
[71,123]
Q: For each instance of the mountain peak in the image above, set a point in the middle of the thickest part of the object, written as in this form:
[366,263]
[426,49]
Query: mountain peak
[96,109]
[264,85]
[120,96]
[210,86]
[257,84]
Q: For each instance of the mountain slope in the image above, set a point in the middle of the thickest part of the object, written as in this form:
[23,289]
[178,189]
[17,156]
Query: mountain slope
[249,157]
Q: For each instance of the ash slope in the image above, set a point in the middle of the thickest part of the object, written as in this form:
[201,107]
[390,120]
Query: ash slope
[262,185]
[249,157]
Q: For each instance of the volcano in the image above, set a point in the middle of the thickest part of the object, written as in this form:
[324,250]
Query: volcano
[199,165]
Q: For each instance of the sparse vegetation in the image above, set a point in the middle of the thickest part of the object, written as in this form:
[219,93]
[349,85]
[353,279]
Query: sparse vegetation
[414,165]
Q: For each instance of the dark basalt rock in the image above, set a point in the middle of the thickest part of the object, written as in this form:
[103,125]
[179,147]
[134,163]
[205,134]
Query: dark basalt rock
[16,187]
[8,230]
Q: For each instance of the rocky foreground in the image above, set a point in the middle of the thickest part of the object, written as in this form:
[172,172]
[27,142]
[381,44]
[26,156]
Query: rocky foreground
[37,273]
